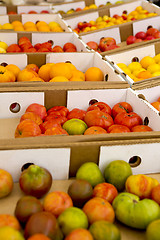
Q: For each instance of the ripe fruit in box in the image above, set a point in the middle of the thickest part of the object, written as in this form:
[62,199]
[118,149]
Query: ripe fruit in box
[130,40]
[6,183]
[141,35]
[93,45]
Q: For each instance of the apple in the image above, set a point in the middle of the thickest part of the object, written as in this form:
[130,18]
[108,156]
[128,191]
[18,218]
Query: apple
[130,40]
[133,212]
[93,45]
[141,35]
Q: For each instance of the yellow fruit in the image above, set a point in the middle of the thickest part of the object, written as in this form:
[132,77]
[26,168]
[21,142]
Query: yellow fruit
[59,79]
[127,71]
[94,74]
[60,69]
[156,74]
[44,71]
[78,74]
[155,67]
[9,233]
[121,65]
[7,26]
[99,19]
[2,50]
[76,79]
[14,69]
[29,25]
[136,72]
[146,61]
[134,66]
[157,58]
[3,45]
[0,26]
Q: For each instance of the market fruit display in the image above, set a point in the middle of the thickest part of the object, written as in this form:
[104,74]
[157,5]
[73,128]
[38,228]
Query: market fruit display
[107,21]
[35,181]
[25,45]
[105,44]
[49,72]
[133,212]
[144,68]
[98,118]
[29,26]
[150,34]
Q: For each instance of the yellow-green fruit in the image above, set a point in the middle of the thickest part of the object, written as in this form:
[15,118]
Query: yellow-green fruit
[153,230]
[3,45]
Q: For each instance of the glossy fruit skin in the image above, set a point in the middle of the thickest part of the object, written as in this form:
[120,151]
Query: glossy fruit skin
[130,40]
[6,75]
[116,128]
[48,125]
[75,126]
[151,31]
[141,35]
[79,233]
[106,191]
[102,230]
[25,207]
[98,118]
[66,222]
[141,128]
[32,116]
[134,212]
[95,130]
[90,172]
[141,185]
[56,202]
[80,191]
[47,224]
[128,119]
[56,131]
[101,106]
[6,183]
[38,109]
[98,209]
[121,107]
[27,128]
[35,181]
[155,194]
[116,173]
[156,105]
[106,41]
[93,45]
[63,111]
[76,113]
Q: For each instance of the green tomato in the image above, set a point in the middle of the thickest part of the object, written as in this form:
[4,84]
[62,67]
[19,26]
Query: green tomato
[75,126]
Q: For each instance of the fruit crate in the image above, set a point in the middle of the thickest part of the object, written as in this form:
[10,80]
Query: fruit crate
[58,39]
[15,102]
[111,77]
[23,18]
[139,52]
[3,10]
[121,34]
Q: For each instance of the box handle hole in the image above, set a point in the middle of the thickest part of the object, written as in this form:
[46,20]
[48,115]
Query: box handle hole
[25,166]
[134,161]
[146,121]
[15,107]
[92,101]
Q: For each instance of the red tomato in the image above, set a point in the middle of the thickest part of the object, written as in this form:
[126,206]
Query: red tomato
[56,131]
[101,106]
[141,128]
[106,191]
[116,128]
[128,119]
[61,109]
[95,130]
[76,113]
[59,119]
[121,107]
[49,124]
[98,118]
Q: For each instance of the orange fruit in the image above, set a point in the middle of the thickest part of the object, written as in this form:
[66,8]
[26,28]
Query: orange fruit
[43,29]
[156,105]
[31,29]
[14,69]
[41,23]
[79,233]
[44,71]
[17,24]
[38,236]
[60,69]
[29,25]
[59,79]
[78,74]
[144,75]
[7,26]
[146,61]
[152,68]
[71,66]
[94,74]
[26,75]
[9,220]
[36,79]
[19,28]
[76,79]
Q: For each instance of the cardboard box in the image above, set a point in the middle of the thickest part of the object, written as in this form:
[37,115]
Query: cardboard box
[58,38]
[35,17]
[77,58]
[140,52]
[71,99]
